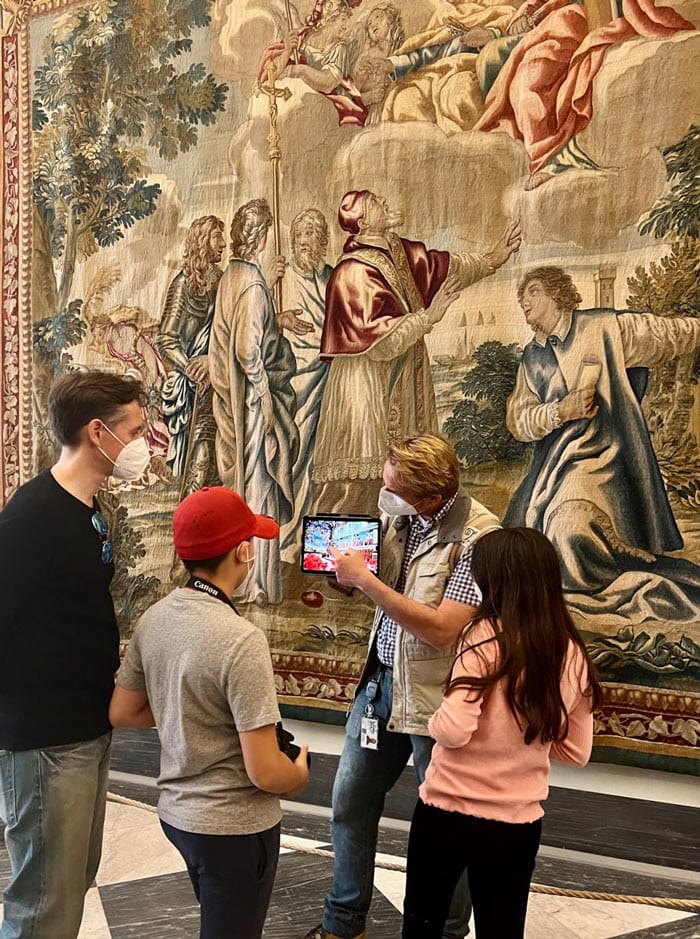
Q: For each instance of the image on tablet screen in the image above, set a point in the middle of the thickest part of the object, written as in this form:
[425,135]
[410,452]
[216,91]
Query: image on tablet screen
[320,532]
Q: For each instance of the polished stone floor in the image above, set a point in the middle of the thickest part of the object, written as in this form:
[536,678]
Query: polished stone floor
[143,892]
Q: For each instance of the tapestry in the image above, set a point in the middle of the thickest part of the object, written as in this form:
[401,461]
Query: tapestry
[314,226]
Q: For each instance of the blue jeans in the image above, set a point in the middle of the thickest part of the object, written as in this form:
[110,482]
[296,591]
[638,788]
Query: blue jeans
[232,877]
[53,804]
[363,779]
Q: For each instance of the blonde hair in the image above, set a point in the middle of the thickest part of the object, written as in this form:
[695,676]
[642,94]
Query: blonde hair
[250,223]
[425,465]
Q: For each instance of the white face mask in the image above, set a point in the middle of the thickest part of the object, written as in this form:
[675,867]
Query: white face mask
[392,504]
[249,562]
[132,461]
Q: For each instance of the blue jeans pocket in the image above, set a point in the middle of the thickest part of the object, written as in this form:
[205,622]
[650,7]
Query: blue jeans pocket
[8,809]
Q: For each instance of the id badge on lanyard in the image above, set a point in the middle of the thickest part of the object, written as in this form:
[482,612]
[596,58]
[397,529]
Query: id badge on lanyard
[369,728]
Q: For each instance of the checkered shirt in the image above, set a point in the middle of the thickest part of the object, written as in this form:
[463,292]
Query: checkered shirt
[460,587]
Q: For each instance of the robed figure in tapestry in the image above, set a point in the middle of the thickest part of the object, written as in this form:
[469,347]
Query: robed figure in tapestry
[594,485]
[252,365]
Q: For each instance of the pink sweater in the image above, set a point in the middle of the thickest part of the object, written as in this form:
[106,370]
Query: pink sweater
[481,764]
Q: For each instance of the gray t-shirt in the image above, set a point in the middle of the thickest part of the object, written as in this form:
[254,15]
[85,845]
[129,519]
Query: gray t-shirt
[208,675]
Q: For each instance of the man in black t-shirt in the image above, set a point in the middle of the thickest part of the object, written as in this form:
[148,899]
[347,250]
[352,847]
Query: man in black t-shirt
[59,649]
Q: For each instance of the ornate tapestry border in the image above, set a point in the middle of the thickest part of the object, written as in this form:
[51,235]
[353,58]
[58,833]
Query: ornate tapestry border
[649,720]
[25,282]
[646,746]
[302,702]
[9,340]
[15,264]
[659,721]
[682,703]
[304,680]
[38,7]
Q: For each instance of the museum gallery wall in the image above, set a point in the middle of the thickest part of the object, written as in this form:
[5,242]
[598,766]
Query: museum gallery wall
[262,209]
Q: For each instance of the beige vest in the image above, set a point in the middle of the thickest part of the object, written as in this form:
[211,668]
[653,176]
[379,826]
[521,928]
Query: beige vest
[420,669]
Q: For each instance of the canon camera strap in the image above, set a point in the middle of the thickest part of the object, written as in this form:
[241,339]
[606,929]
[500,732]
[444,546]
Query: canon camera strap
[204,586]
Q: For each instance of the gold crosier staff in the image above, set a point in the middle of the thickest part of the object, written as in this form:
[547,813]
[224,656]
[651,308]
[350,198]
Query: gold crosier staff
[273,93]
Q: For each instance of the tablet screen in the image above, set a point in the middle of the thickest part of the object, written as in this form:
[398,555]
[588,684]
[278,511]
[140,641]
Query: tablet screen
[320,532]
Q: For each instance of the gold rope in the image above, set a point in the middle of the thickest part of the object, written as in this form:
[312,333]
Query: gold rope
[295,844]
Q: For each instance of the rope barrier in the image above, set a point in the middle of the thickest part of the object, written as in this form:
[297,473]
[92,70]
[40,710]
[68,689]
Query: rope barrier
[296,844]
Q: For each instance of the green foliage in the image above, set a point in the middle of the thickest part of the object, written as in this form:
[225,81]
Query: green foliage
[651,653]
[132,593]
[678,212]
[39,116]
[109,82]
[671,287]
[478,423]
[53,335]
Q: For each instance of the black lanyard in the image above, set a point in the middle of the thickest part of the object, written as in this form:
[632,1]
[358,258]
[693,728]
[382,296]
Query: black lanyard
[204,586]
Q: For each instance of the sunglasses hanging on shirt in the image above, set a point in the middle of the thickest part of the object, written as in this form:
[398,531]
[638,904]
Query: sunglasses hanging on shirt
[99,523]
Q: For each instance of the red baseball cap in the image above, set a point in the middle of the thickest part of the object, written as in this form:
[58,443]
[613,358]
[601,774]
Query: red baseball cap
[214,520]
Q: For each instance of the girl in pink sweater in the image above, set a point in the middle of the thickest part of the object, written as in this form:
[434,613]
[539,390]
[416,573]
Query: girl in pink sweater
[521,692]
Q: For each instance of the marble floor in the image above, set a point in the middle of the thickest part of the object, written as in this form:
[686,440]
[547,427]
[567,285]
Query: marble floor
[143,892]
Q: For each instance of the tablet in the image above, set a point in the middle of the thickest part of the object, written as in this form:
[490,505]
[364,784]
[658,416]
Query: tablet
[320,532]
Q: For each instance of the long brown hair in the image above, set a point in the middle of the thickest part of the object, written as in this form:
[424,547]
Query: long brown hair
[200,270]
[518,573]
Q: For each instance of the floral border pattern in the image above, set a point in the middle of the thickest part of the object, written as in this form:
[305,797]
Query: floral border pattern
[15,255]
[307,680]
[654,720]
[9,326]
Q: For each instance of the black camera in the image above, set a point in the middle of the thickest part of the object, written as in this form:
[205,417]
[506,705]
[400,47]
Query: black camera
[284,742]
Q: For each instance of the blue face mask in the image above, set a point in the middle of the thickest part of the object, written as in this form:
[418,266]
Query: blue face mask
[393,504]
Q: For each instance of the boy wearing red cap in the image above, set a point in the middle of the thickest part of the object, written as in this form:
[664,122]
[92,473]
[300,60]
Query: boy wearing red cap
[202,674]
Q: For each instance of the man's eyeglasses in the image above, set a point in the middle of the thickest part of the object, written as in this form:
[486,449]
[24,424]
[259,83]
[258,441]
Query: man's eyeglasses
[99,523]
